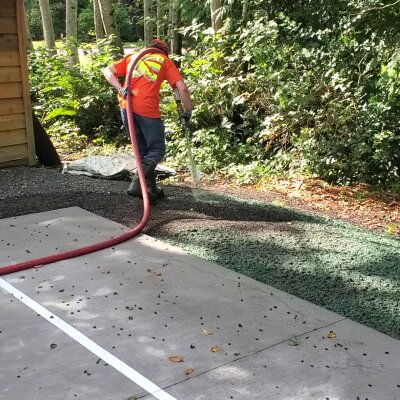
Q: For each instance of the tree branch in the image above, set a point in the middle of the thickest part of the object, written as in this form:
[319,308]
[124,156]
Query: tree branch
[382,7]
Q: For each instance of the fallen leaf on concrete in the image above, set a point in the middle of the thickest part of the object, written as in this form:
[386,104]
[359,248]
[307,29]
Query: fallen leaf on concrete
[132,398]
[153,272]
[293,341]
[39,266]
[331,335]
[215,349]
[175,359]
[207,332]
[189,371]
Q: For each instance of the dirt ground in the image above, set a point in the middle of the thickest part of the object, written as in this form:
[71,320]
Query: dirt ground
[28,190]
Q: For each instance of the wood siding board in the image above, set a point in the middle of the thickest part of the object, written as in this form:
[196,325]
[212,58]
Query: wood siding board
[8,24]
[23,45]
[10,90]
[16,136]
[16,128]
[11,106]
[9,41]
[7,12]
[9,58]
[22,161]
[14,152]
[12,121]
[8,8]
[10,74]
[8,3]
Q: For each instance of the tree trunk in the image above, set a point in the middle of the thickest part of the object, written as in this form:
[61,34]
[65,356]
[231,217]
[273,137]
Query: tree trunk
[160,19]
[28,33]
[47,22]
[216,17]
[110,29]
[98,22]
[170,13]
[71,21]
[148,25]
[245,10]
[176,37]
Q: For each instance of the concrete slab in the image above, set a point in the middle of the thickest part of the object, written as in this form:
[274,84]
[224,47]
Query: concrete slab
[38,361]
[360,364]
[37,235]
[144,301]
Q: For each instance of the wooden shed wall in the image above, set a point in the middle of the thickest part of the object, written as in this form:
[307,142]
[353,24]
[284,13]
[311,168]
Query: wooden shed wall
[16,130]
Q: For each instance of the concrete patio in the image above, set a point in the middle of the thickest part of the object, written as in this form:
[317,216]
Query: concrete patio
[115,317]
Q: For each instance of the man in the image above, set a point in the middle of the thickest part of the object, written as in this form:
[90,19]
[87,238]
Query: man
[152,69]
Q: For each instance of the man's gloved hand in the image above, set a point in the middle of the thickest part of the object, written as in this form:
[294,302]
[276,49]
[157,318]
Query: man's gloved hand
[123,91]
[185,116]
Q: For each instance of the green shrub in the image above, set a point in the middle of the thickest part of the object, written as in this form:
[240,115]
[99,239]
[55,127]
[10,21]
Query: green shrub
[125,26]
[76,100]
[86,24]
[292,97]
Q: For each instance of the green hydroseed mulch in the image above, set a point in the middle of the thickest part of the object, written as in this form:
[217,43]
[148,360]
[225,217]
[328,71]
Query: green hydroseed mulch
[343,268]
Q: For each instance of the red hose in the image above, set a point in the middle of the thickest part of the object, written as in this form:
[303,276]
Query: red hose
[119,239]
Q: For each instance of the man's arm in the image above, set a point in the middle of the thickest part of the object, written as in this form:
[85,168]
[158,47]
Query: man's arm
[110,75]
[184,95]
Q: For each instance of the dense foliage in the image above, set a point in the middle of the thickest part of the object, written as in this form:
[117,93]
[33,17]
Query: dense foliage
[74,102]
[309,86]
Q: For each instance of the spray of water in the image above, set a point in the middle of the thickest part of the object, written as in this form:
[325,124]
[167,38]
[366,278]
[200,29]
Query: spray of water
[194,170]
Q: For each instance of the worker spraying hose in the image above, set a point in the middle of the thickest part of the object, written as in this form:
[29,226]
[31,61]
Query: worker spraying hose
[127,96]
[144,88]
[144,73]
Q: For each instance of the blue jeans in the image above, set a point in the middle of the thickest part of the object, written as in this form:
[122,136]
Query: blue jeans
[150,134]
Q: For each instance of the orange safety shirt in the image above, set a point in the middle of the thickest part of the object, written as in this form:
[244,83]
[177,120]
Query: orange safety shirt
[150,72]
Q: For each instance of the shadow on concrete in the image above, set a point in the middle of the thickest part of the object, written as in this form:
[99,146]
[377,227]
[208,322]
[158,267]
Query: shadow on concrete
[356,275]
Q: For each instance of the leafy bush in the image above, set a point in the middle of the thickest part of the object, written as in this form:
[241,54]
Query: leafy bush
[292,95]
[75,102]
[126,27]
[86,24]
[34,20]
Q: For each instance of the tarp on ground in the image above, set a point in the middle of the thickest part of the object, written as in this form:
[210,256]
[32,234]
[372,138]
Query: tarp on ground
[118,166]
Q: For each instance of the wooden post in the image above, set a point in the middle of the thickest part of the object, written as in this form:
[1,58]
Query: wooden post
[22,42]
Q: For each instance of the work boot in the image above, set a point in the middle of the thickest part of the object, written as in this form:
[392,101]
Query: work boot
[134,187]
[149,173]
[135,190]
[152,186]
[149,167]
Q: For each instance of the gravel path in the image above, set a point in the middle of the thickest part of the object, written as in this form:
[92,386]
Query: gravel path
[338,266]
